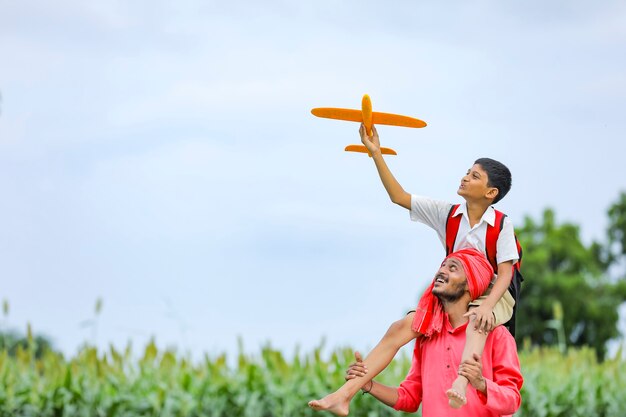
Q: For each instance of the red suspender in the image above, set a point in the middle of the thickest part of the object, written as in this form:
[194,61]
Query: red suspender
[491,239]
[518,264]
[452,228]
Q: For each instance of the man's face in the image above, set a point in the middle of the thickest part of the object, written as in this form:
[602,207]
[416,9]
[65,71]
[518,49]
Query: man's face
[450,283]
[474,184]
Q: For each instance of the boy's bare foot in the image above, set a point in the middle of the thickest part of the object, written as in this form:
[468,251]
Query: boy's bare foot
[456,393]
[455,399]
[335,403]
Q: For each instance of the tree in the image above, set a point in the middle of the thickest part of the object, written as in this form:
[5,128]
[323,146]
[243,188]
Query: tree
[12,341]
[559,268]
[617,230]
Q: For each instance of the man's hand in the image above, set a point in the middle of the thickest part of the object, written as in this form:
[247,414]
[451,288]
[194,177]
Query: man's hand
[356,369]
[372,143]
[472,369]
[484,320]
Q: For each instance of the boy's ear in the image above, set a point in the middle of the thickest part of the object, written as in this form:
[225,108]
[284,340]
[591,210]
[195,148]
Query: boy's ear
[492,193]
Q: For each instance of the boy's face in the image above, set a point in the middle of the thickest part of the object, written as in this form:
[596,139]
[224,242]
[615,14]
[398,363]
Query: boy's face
[474,185]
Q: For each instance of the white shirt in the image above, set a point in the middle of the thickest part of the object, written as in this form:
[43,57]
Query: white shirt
[434,213]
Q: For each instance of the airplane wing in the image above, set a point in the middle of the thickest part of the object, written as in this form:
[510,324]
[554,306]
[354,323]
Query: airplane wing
[339,114]
[363,149]
[396,120]
[378,118]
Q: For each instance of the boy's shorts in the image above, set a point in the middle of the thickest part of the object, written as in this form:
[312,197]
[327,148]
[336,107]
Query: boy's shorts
[503,310]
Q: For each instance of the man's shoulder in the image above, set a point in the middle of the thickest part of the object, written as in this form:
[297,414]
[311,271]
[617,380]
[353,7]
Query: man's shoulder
[500,333]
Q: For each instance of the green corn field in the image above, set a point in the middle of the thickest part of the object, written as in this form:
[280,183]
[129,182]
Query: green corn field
[268,384]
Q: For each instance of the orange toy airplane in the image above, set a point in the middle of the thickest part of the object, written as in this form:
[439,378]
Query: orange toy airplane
[368,118]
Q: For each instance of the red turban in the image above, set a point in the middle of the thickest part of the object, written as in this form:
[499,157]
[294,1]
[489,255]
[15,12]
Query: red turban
[429,314]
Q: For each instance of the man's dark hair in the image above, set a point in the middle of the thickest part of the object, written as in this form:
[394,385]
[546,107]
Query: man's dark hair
[498,175]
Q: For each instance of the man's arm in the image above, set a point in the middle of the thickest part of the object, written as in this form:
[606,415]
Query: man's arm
[472,369]
[409,393]
[383,393]
[393,187]
[501,393]
[407,397]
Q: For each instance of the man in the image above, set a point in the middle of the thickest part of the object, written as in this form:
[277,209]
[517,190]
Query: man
[495,377]
[475,223]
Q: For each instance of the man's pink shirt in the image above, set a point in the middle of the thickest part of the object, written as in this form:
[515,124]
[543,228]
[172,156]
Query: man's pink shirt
[435,364]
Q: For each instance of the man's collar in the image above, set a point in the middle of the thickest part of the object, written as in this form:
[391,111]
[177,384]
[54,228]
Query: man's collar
[489,215]
[447,326]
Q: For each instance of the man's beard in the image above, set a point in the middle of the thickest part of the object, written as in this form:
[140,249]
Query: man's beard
[453,295]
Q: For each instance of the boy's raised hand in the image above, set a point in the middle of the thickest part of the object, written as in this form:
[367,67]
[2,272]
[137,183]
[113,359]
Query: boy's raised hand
[372,143]
[356,369]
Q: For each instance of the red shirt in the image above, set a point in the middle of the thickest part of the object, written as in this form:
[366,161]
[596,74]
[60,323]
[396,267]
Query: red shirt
[437,359]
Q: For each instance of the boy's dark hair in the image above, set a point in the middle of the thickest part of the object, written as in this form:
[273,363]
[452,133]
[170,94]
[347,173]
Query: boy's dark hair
[498,176]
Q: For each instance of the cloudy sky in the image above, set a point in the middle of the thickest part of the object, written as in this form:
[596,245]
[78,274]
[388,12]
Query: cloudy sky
[162,156]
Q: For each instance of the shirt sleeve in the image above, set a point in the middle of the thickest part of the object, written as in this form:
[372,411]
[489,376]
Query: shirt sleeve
[506,249]
[410,390]
[433,213]
[503,390]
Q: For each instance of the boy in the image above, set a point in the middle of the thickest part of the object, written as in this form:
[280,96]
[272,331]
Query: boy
[486,183]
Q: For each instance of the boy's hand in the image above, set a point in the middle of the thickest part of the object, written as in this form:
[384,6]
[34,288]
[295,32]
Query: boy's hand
[372,143]
[472,369]
[357,368]
[484,320]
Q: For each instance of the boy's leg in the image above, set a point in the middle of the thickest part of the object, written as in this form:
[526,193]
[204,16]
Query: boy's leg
[475,343]
[398,335]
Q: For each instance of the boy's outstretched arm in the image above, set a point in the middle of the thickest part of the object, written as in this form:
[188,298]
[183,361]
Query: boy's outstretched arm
[393,187]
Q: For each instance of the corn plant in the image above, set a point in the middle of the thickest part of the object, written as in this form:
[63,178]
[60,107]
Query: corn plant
[114,383]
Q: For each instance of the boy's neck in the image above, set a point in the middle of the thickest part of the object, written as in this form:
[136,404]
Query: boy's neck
[475,210]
